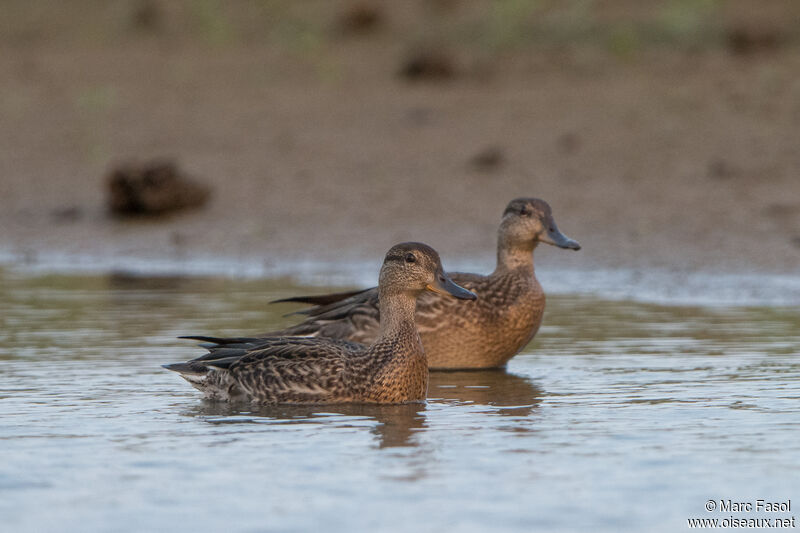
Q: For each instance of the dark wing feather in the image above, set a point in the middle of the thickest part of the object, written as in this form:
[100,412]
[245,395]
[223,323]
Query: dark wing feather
[231,342]
[320,299]
[298,348]
[355,318]
[273,369]
[225,351]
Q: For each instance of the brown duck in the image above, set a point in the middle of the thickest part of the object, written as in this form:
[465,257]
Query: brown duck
[281,369]
[485,333]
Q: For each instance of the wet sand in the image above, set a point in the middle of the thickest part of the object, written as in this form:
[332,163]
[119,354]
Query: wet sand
[683,162]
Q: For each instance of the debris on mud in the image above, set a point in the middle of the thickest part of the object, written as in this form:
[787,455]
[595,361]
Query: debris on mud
[153,188]
[721,169]
[782,211]
[489,159]
[146,16]
[568,143]
[67,214]
[746,39]
[360,18]
[428,64]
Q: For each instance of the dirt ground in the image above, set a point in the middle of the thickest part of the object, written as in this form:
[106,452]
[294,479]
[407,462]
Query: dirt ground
[676,157]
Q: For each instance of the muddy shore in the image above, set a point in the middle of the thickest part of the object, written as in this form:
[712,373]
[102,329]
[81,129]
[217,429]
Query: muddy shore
[664,161]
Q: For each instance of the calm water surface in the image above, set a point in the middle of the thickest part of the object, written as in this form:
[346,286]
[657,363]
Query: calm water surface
[618,417]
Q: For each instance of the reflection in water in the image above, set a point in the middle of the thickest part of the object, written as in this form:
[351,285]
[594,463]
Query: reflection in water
[508,393]
[394,425]
[631,404]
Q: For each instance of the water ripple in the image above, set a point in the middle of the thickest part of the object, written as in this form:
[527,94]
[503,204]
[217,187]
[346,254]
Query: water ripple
[618,417]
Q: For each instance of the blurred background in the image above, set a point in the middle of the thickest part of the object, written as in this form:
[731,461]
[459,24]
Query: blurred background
[294,142]
[664,133]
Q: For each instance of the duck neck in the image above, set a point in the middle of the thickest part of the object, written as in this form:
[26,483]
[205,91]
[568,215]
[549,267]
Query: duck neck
[514,255]
[397,357]
[397,314]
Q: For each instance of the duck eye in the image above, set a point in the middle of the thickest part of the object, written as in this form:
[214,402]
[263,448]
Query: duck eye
[410,258]
[525,211]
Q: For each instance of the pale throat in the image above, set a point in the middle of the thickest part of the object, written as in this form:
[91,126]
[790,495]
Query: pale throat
[511,256]
[397,310]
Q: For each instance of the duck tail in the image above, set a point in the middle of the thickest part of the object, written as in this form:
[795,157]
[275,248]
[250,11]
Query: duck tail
[210,378]
[220,341]
[320,299]
[181,368]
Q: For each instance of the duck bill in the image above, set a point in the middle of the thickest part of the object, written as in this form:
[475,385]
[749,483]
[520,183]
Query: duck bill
[556,238]
[442,284]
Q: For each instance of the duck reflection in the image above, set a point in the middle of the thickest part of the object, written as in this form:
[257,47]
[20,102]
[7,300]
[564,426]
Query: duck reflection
[507,394]
[396,425]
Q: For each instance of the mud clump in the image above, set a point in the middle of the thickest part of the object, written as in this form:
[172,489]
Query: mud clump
[720,169]
[66,215]
[777,210]
[748,39]
[428,64]
[146,16]
[360,18]
[153,188]
[569,143]
[489,159]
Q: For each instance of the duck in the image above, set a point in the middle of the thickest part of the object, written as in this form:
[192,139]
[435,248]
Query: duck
[392,369]
[481,334]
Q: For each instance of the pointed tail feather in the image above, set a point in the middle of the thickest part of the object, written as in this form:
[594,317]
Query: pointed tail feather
[320,299]
[220,341]
[186,368]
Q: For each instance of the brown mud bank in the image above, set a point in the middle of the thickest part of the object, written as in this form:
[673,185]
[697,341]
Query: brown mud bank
[683,162]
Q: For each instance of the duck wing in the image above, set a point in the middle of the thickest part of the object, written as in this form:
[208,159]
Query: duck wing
[223,352]
[294,369]
[275,369]
[320,299]
[354,317]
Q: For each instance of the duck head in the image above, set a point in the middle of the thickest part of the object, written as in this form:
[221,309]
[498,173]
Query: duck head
[529,221]
[413,267]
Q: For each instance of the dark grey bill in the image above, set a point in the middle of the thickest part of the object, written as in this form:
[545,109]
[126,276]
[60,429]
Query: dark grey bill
[444,285]
[556,238]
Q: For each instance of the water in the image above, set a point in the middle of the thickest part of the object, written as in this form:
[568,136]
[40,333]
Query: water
[619,417]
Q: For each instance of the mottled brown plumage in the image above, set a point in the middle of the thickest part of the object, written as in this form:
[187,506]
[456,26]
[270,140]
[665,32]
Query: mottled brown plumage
[485,333]
[281,369]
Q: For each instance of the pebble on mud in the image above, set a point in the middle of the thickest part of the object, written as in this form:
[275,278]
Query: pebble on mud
[782,210]
[721,169]
[489,159]
[146,16]
[428,64]
[360,18]
[746,39]
[153,188]
[68,214]
[568,143]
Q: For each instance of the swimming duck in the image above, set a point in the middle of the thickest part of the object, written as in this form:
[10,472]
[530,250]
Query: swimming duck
[485,333]
[283,369]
